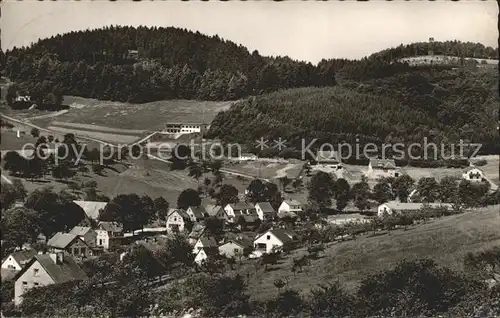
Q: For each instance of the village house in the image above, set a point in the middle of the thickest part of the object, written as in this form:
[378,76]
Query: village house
[70,243]
[234,248]
[473,174]
[395,207]
[92,208]
[382,168]
[44,270]
[265,211]
[196,214]
[109,234]
[205,241]
[177,221]
[86,233]
[290,208]
[15,262]
[205,254]
[273,240]
[233,210]
[216,211]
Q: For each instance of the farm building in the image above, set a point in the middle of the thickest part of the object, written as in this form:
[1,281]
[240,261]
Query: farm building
[234,210]
[401,207]
[69,243]
[195,213]
[341,219]
[382,168]
[86,233]
[185,128]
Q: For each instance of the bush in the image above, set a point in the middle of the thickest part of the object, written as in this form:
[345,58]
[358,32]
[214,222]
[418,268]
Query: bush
[480,162]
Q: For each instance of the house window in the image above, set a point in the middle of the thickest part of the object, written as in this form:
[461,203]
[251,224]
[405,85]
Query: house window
[83,251]
[269,237]
[36,284]
[236,250]
[11,266]
[100,241]
[175,219]
[25,285]
[35,271]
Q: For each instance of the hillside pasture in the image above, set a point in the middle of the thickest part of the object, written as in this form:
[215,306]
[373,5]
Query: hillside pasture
[148,116]
[446,240]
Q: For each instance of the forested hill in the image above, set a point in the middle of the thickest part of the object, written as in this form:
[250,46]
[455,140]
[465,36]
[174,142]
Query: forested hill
[145,64]
[443,105]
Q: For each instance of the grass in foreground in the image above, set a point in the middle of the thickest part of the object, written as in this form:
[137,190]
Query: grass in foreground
[445,240]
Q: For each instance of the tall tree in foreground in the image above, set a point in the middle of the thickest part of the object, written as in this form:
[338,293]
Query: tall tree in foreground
[187,198]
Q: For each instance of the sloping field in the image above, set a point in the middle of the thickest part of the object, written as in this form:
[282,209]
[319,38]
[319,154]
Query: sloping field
[98,128]
[149,116]
[109,137]
[267,170]
[445,240]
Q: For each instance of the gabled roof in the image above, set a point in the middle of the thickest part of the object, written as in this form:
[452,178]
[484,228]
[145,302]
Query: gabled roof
[198,212]
[292,202]
[67,271]
[212,210]
[80,230]
[241,206]
[92,208]
[114,227]
[249,218]
[181,212]
[283,235]
[265,207]
[209,251]
[61,240]
[208,241]
[383,163]
[21,257]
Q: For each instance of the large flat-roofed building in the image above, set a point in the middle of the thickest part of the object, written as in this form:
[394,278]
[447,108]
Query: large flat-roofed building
[185,128]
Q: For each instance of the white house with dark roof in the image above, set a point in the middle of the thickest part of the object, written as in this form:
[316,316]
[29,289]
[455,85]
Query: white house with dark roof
[290,208]
[177,221]
[92,208]
[273,240]
[205,241]
[382,168]
[473,174]
[69,243]
[44,270]
[15,262]
[109,234]
[196,213]
[395,207]
[265,211]
[205,254]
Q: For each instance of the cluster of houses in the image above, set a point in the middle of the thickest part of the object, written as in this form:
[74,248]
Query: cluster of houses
[241,214]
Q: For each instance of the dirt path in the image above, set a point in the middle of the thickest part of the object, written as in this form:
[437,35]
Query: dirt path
[7,180]
[64,111]
[281,173]
[244,175]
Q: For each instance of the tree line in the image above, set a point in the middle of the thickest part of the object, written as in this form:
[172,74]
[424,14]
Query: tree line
[403,108]
[171,63]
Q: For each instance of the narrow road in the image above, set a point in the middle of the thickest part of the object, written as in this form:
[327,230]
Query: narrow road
[64,111]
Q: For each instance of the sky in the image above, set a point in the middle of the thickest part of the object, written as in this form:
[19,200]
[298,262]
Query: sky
[302,30]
